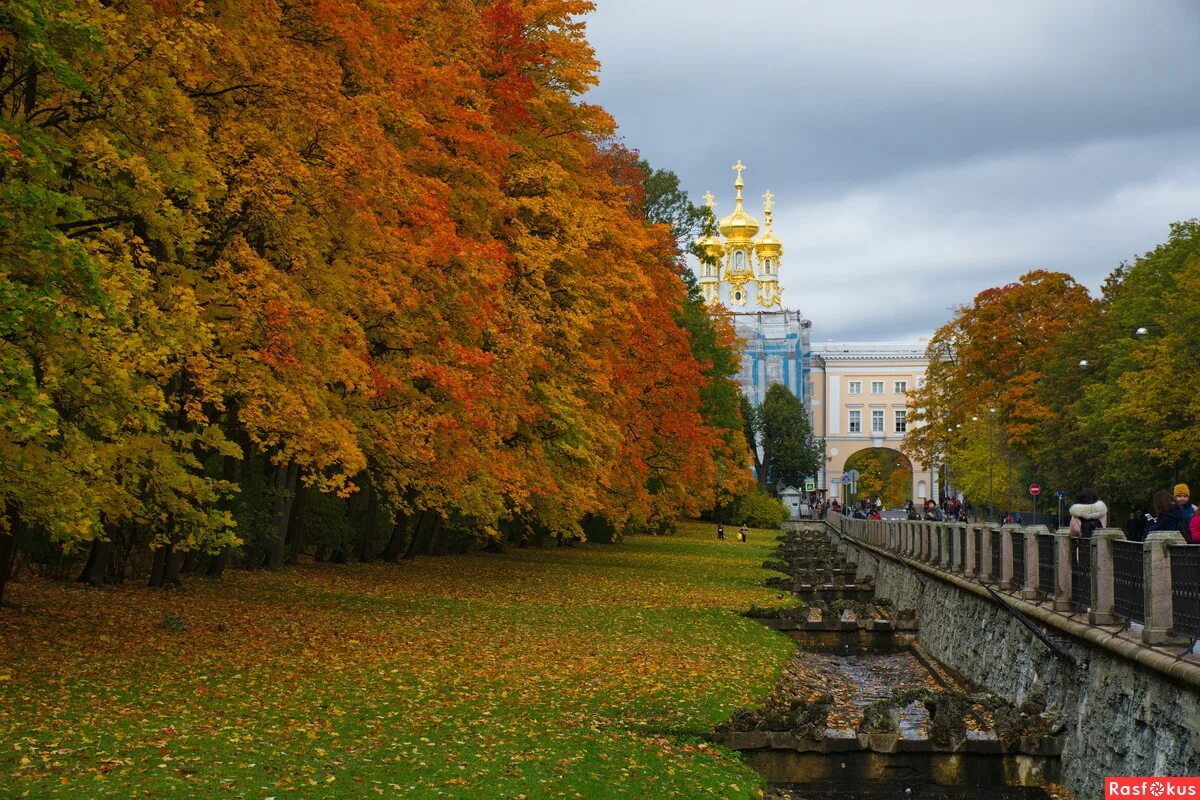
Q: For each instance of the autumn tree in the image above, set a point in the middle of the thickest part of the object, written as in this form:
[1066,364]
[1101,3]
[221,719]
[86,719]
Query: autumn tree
[990,362]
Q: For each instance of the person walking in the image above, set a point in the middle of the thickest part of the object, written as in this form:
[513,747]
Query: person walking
[742,531]
[1088,513]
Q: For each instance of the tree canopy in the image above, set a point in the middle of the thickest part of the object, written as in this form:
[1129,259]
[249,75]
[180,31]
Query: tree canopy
[371,251]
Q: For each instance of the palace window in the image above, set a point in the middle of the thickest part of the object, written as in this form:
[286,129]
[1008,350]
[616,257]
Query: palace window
[901,387]
[855,387]
[876,387]
[901,421]
[855,421]
[876,422]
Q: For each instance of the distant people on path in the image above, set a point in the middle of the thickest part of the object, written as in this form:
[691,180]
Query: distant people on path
[932,512]
[1088,514]
[1135,526]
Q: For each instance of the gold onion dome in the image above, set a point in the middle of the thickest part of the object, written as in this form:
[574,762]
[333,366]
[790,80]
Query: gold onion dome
[712,246]
[738,226]
[768,246]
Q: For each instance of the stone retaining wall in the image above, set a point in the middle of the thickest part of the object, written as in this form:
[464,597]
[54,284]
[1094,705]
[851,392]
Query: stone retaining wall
[1125,718]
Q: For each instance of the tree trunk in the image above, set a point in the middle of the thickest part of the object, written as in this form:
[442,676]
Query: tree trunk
[95,572]
[285,485]
[217,567]
[437,537]
[229,472]
[158,569]
[8,549]
[296,528]
[173,566]
[395,545]
[366,547]
[417,544]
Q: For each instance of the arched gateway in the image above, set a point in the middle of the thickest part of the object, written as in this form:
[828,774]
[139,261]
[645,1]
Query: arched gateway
[860,405]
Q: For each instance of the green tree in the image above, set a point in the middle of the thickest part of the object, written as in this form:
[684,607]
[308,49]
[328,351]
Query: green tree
[1135,409]
[790,453]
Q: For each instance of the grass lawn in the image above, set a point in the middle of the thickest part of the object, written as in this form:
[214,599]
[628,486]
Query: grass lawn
[565,672]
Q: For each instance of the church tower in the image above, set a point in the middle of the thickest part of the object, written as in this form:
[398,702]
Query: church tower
[743,276]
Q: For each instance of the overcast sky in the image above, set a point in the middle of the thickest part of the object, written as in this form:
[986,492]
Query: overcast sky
[919,152]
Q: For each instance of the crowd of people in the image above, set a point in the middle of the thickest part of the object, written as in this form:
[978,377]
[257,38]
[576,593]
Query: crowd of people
[1169,511]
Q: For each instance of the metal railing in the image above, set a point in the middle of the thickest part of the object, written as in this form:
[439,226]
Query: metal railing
[1018,558]
[1185,590]
[1129,591]
[1081,573]
[1046,564]
[1156,582]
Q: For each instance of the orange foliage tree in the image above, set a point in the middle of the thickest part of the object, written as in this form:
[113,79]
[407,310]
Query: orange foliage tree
[377,250]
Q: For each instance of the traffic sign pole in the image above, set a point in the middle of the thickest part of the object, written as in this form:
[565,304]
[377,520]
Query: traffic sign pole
[1035,490]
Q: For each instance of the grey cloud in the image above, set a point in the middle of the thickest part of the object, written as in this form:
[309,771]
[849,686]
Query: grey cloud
[919,152]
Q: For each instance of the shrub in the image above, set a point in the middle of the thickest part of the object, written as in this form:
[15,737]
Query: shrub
[758,510]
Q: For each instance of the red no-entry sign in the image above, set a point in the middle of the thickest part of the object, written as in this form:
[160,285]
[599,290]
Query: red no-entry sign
[1034,489]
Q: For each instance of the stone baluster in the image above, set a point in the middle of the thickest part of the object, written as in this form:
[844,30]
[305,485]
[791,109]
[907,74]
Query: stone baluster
[1033,534]
[1006,554]
[1103,611]
[985,552]
[1156,582]
[1062,570]
[945,548]
[970,553]
[958,551]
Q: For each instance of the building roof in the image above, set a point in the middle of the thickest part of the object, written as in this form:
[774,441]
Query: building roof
[869,351]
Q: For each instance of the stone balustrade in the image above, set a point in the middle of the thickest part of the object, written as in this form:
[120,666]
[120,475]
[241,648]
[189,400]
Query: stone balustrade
[1155,583]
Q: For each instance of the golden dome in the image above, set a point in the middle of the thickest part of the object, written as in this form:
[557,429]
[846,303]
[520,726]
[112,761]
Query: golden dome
[768,246]
[738,226]
[712,247]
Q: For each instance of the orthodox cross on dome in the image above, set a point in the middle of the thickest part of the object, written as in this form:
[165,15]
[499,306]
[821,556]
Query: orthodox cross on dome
[768,201]
[709,200]
[739,167]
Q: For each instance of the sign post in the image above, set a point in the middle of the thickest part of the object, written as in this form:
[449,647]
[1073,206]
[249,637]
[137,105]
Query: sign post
[1035,490]
[1060,494]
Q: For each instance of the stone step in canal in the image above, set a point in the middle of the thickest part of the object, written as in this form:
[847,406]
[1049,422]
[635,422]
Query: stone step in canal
[861,711]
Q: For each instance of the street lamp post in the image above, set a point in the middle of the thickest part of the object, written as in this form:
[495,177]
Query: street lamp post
[991,451]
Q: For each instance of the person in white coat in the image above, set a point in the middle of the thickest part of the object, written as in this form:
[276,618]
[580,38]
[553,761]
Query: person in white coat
[1088,514]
